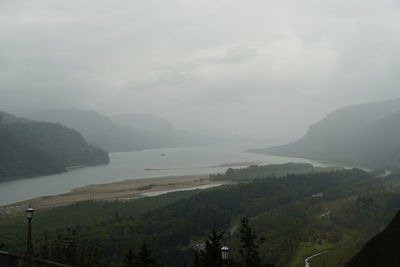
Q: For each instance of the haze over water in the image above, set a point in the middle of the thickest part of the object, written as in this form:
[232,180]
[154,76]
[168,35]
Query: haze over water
[132,165]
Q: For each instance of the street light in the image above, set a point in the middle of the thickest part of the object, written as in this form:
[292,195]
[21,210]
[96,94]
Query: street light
[29,215]
[29,212]
[224,254]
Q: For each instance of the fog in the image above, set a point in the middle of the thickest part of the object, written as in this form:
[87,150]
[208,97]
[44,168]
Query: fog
[266,69]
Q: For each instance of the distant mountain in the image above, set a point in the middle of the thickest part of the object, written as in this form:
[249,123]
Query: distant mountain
[382,250]
[123,132]
[159,132]
[367,134]
[31,148]
[98,130]
[144,122]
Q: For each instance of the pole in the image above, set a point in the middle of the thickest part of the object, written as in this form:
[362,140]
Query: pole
[29,249]
[224,263]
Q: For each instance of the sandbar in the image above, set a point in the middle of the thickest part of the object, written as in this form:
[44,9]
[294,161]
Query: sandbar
[123,190]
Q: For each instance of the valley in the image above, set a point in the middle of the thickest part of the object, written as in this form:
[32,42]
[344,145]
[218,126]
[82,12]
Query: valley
[306,213]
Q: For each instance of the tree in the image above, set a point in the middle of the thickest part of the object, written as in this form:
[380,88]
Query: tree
[145,257]
[68,248]
[211,255]
[249,245]
[196,260]
[130,259]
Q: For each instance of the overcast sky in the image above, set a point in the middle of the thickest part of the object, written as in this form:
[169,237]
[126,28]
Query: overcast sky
[256,67]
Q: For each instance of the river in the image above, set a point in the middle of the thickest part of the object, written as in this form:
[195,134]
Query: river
[139,164]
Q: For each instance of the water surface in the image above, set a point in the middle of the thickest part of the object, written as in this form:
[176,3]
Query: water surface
[139,164]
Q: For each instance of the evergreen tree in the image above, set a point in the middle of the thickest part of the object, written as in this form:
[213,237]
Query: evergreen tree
[211,255]
[196,260]
[249,245]
[145,257]
[71,250]
[130,259]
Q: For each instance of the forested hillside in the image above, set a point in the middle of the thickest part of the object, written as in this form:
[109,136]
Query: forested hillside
[31,148]
[298,215]
[364,135]
[20,160]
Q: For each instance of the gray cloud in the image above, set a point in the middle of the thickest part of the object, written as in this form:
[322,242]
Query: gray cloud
[264,68]
[234,55]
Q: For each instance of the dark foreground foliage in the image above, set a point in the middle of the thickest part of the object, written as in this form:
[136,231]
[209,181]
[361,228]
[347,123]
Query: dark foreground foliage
[382,250]
[285,211]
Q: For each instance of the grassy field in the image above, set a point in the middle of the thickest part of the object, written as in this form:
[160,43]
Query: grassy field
[337,254]
[307,249]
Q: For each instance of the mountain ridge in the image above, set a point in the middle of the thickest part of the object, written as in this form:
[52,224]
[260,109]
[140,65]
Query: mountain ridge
[364,134]
[122,132]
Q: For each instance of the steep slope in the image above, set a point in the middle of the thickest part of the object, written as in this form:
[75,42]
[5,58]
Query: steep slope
[19,160]
[365,134]
[382,250]
[31,148]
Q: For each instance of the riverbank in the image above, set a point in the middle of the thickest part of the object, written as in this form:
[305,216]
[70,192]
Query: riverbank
[123,190]
[137,165]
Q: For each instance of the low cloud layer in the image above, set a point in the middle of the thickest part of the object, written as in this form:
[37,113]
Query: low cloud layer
[259,68]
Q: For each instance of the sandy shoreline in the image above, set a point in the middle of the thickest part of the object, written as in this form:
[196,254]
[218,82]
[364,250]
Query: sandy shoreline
[127,189]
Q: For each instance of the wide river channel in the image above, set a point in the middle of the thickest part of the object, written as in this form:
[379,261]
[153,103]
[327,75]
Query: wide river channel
[139,164]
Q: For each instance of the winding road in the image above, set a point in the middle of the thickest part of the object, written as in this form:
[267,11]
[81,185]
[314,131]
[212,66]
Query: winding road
[313,256]
[306,261]
[326,213]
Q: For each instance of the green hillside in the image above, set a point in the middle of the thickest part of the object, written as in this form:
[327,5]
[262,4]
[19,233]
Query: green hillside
[288,212]
[19,160]
[32,148]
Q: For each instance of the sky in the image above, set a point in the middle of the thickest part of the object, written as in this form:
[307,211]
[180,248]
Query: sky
[259,68]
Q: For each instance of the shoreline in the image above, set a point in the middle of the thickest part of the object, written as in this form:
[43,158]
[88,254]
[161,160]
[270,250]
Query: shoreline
[121,191]
[317,162]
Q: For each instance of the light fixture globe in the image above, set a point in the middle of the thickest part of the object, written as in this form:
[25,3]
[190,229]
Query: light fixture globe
[225,253]
[29,212]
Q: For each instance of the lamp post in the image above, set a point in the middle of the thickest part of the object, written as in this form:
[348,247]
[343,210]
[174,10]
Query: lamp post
[29,215]
[225,255]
